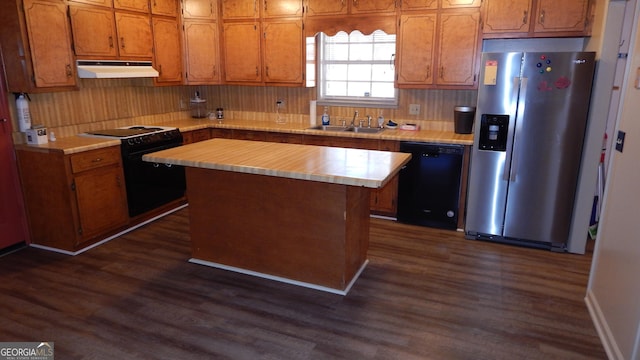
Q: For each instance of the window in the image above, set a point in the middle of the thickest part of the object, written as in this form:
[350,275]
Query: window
[357,69]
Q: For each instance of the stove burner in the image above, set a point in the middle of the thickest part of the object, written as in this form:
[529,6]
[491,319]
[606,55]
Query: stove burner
[148,129]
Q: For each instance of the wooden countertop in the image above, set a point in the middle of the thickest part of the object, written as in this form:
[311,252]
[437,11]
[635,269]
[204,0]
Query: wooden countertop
[433,136]
[75,144]
[368,168]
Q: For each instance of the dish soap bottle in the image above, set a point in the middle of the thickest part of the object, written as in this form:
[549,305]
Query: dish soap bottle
[325,116]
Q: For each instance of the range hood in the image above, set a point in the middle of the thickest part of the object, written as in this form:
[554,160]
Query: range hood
[113,69]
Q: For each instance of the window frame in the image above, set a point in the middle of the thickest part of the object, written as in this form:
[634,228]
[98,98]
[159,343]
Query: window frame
[377,102]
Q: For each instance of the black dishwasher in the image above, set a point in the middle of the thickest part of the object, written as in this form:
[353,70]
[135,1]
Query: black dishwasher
[429,185]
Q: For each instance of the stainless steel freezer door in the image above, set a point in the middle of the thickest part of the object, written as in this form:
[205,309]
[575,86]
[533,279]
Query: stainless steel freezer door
[488,177]
[551,120]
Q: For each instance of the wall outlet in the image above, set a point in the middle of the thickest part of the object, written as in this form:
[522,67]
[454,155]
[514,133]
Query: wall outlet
[414,109]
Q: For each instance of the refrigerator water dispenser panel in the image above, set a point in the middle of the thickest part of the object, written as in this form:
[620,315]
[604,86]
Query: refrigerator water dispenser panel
[493,132]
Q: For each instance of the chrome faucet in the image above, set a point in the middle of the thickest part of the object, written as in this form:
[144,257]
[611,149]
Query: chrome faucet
[353,121]
[368,120]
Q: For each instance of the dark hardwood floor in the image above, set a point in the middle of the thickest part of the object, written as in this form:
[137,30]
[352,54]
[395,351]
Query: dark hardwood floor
[426,294]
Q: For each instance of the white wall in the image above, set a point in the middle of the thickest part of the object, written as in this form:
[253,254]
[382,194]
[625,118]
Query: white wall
[613,294]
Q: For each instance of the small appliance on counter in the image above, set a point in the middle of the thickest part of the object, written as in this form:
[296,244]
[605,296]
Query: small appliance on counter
[198,107]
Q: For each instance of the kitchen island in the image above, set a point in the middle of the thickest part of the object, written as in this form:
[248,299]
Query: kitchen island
[287,212]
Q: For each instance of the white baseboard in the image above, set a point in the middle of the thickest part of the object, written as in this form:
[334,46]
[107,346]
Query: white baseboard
[602,327]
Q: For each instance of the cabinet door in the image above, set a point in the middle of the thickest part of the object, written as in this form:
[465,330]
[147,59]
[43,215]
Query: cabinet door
[406,5]
[199,9]
[447,4]
[101,199]
[132,5]
[561,16]
[164,7]
[201,52]
[373,6]
[242,52]
[50,43]
[458,48]
[415,49]
[240,9]
[326,7]
[506,16]
[167,56]
[106,3]
[134,35]
[190,137]
[384,200]
[94,31]
[281,8]
[283,52]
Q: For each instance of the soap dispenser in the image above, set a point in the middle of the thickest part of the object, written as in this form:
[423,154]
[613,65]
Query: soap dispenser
[325,116]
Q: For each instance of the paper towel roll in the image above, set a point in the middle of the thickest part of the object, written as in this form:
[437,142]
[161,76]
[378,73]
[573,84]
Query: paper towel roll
[312,112]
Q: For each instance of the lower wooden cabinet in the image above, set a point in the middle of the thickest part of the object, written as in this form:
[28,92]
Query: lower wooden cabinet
[73,200]
[189,137]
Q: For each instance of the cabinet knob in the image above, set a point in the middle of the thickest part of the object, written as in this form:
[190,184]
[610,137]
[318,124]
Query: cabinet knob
[542,17]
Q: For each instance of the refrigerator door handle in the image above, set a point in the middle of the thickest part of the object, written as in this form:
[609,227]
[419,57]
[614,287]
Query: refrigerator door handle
[518,129]
[512,112]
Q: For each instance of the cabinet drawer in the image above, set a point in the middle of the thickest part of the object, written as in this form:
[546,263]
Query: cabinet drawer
[95,158]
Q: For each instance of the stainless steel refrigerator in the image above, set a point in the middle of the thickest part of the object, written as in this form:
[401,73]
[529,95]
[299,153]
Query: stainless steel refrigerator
[530,123]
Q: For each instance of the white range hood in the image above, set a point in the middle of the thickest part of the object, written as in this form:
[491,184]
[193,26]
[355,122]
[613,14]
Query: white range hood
[113,69]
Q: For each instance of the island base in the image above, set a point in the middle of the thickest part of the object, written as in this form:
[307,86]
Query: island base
[308,233]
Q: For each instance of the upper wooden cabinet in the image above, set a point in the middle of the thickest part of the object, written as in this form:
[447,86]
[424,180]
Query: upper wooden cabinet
[452,4]
[199,9]
[201,52]
[281,8]
[346,7]
[240,9]
[327,7]
[167,58]
[409,5]
[132,5]
[453,63]
[94,31]
[415,46]
[241,52]
[104,34]
[106,3]
[561,16]
[458,49]
[280,38]
[164,7]
[36,46]
[536,18]
[406,5]
[134,35]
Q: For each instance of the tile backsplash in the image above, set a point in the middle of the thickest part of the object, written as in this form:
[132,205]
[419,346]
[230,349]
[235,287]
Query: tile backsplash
[108,103]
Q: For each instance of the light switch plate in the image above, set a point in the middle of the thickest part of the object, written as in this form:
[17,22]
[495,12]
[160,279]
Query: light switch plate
[414,109]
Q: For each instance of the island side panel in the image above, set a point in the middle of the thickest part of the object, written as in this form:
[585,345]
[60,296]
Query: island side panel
[302,230]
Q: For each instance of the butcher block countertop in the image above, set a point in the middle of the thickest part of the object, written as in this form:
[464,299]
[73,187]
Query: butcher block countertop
[75,144]
[368,168]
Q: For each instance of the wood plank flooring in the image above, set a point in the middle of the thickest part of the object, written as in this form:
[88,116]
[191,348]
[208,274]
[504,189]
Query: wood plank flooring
[426,294]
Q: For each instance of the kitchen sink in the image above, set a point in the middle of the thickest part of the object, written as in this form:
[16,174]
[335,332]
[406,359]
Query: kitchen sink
[364,130]
[329,128]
